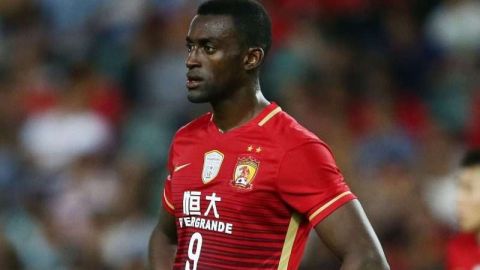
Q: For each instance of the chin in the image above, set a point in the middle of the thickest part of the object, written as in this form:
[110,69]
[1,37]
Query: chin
[197,98]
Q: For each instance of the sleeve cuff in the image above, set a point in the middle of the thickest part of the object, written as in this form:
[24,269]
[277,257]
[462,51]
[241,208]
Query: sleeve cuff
[167,204]
[329,207]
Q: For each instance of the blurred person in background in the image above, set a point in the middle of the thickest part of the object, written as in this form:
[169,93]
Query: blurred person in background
[71,129]
[463,251]
[298,180]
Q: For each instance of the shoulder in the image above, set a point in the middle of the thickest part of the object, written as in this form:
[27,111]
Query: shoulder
[194,127]
[288,133]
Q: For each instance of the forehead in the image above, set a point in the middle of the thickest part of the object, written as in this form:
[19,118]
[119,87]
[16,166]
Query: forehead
[211,27]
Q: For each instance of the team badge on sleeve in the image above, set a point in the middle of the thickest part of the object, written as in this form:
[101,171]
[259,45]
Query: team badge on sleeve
[211,165]
[245,172]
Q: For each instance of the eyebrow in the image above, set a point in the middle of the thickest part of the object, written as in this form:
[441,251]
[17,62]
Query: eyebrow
[201,40]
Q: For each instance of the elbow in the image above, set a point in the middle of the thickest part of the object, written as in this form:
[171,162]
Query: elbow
[376,264]
[374,261]
[365,260]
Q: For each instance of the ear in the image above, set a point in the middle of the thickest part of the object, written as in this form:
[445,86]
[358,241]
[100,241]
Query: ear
[254,58]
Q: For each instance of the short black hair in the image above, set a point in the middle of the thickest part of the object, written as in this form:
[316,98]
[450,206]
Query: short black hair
[250,19]
[471,158]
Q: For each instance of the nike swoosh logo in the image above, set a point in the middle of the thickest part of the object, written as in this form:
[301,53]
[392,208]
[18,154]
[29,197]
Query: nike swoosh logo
[179,167]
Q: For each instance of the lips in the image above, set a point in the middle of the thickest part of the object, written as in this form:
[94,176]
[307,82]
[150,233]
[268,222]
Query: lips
[193,81]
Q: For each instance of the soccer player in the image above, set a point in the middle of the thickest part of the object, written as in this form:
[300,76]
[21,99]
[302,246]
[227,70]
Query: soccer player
[247,183]
[463,251]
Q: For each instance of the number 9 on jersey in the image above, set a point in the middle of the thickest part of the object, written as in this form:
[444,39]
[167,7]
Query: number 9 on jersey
[194,249]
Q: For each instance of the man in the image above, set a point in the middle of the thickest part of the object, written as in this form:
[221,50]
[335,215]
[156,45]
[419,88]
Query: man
[247,182]
[463,251]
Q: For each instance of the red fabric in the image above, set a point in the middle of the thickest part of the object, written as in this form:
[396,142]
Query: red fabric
[107,101]
[463,253]
[317,181]
[412,115]
[473,127]
[290,171]
[38,101]
[344,6]
[360,115]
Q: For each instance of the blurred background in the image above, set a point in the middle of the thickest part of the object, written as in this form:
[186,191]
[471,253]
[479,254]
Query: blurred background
[92,91]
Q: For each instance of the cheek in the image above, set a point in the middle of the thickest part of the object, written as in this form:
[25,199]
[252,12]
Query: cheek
[226,69]
[468,207]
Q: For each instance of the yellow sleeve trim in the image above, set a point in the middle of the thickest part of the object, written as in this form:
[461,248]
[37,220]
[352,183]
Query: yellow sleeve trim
[325,206]
[169,204]
[269,116]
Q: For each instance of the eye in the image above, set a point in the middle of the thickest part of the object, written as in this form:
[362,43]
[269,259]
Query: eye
[210,49]
[189,47]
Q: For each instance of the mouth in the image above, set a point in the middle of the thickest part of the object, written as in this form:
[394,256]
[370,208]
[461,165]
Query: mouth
[193,82]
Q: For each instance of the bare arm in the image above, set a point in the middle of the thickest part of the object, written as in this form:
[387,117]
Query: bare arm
[349,235]
[162,246]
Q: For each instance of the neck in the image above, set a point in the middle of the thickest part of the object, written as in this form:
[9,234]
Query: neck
[244,104]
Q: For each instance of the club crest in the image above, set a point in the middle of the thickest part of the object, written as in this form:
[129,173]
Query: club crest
[245,172]
[212,162]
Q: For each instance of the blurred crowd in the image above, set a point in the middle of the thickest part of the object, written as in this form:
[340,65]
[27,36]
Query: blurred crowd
[92,91]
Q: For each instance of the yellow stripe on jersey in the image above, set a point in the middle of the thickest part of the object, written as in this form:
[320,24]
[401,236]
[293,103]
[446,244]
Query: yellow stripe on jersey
[325,206]
[289,240]
[169,204]
[269,116]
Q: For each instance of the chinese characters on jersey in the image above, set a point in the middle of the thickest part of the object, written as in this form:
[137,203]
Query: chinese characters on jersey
[192,211]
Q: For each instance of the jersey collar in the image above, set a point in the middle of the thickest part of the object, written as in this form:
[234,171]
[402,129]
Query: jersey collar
[260,120]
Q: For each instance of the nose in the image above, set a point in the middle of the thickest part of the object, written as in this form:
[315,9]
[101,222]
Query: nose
[192,59]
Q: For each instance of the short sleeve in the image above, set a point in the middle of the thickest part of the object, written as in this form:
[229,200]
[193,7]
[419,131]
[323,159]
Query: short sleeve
[167,198]
[310,182]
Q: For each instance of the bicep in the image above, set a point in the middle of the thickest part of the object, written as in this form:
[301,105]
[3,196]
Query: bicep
[162,245]
[167,226]
[349,235]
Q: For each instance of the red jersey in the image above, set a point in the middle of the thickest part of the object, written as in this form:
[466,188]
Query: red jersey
[463,253]
[247,198]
